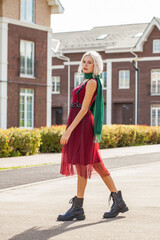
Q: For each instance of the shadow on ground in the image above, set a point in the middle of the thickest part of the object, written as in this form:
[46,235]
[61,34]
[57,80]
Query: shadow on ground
[36,233]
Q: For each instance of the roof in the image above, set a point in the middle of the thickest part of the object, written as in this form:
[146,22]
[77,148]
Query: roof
[105,38]
[117,37]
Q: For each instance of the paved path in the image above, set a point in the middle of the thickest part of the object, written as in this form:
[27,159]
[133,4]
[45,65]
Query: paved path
[54,158]
[29,213]
[21,176]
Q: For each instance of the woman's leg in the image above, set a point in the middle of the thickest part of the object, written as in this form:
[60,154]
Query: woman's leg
[81,185]
[102,171]
[109,183]
[118,202]
[76,211]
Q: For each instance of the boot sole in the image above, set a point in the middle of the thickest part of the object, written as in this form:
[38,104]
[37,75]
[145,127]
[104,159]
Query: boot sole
[125,209]
[78,217]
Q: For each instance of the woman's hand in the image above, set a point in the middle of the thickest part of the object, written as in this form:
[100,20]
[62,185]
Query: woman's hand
[65,137]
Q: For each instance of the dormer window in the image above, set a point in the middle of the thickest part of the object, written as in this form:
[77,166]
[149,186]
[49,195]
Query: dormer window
[138,35]
[27,10]
[156,46]
[102,36]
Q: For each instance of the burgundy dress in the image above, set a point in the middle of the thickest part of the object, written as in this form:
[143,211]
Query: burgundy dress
[81,155]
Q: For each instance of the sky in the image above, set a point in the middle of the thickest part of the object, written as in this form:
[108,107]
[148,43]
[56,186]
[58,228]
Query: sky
[85,14]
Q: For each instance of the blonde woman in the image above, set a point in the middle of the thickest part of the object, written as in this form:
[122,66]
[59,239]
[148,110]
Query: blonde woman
[80,152]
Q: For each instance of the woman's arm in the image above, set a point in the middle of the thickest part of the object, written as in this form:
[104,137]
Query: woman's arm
[90,90]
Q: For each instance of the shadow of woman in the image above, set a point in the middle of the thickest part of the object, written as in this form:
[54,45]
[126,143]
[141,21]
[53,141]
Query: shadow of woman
[40,234]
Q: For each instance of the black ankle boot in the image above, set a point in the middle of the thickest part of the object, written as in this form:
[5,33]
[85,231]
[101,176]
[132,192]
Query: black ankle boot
[117,207]
[75,212]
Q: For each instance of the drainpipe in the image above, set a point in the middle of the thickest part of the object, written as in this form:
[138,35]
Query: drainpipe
[135,65]
[55,48]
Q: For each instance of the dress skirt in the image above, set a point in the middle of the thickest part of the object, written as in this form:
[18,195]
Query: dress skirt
[81,155]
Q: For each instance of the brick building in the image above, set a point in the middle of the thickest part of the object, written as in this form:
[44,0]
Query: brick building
[25,62]
[131,77]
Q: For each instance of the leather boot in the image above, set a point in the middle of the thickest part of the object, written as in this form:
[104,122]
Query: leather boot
[117,206]
[75,212]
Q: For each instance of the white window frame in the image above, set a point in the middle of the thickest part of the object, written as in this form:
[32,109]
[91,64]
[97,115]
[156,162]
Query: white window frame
[154,71]
[156,46]
[124,80]
[26,75]
[156,120]
[79,77]
[25,95]
[55,79]
[103,73]
[25,18]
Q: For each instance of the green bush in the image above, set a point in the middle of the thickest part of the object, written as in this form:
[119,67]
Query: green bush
[51,138]
[19,142]
[4,147]
[129,135]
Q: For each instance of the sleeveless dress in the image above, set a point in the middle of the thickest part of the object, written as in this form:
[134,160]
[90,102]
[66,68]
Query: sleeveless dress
[81,155]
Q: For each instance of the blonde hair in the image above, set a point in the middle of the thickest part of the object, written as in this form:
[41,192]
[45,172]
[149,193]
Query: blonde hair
[97,60]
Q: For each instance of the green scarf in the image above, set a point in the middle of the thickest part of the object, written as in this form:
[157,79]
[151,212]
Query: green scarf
[97,108]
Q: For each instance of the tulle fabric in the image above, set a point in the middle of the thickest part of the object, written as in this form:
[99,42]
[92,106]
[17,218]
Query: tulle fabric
[81,155]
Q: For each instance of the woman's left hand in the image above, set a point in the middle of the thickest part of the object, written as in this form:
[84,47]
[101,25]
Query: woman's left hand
[65,137]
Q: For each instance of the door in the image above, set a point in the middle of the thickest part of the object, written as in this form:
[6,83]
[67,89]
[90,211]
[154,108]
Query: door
[57,114]
[127,113]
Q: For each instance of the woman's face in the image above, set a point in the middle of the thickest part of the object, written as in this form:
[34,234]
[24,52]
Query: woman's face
[87,64]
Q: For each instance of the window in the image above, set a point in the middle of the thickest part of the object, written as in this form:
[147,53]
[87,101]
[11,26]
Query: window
[27,10]
[104,79]
[137,35]
[102,36]
[56,84]
[26,59]
[155,82]
[155,115]
[26,108]
[78,78]
[156,46]
[124,79]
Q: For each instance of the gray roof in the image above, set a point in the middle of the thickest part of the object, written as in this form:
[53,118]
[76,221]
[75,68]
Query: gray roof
[118,36]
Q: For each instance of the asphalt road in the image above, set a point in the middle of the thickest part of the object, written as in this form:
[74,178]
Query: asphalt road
[12,178]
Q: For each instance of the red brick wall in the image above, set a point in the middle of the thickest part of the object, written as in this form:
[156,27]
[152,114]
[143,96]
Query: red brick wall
[148,45]
[145,98]
[15,34]
[122,95]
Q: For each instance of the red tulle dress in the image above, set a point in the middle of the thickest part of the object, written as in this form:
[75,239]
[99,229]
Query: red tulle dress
[81,155]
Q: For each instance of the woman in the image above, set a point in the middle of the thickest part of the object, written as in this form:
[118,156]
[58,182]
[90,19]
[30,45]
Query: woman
[80,152]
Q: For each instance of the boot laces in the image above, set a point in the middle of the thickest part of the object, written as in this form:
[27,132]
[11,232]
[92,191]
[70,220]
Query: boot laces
[109,200]
[71,201]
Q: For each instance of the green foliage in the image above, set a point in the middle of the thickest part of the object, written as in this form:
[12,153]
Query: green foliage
[51,138]
[129,135]
[19,142]
[23,142]
[4,147]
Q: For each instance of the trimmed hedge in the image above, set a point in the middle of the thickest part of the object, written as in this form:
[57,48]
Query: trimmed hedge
[19,142]
[129,135]
[50,138]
